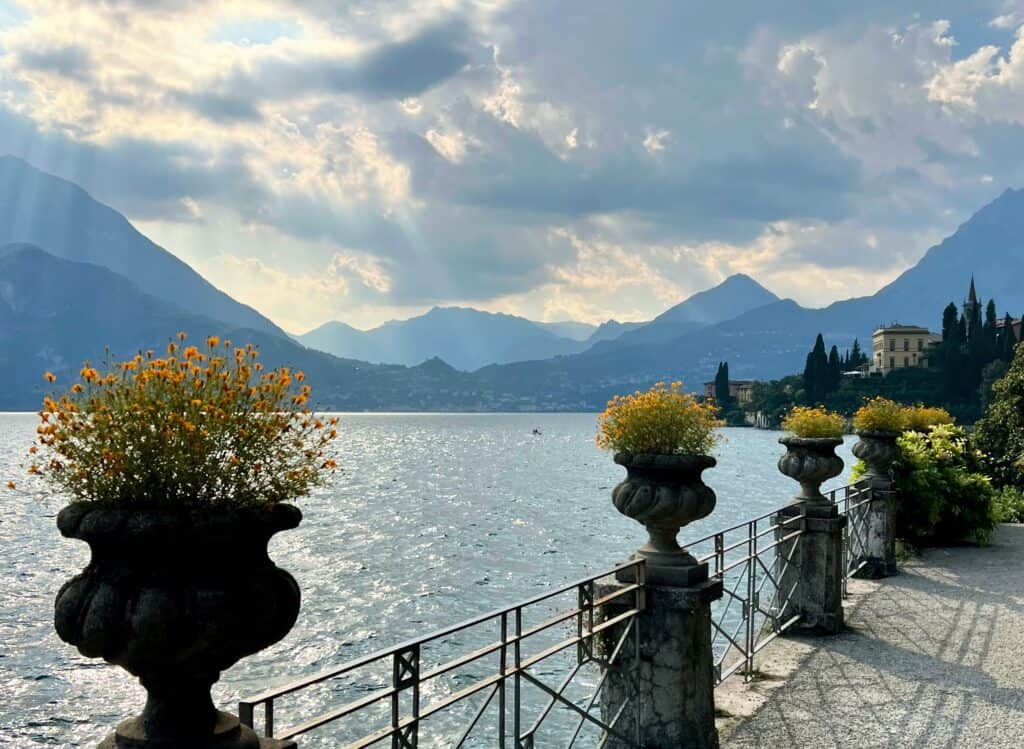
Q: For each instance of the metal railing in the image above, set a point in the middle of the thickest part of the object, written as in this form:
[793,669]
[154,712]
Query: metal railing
[411,686]
[758,563]
[854,502]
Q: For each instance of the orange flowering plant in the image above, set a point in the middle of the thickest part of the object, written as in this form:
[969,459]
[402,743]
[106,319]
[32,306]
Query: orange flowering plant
[197,426]
[665,420]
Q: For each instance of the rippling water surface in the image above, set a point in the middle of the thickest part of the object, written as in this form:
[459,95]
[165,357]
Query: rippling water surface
[434,518]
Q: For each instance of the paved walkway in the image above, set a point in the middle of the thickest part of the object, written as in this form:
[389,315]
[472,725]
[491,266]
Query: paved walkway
[933,658]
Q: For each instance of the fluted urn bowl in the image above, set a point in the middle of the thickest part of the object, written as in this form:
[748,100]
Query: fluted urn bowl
[664,493]
[811,461]
[878,450]
[175,597]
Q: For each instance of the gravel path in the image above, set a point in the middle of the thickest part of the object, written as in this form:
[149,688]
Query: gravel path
[933,658]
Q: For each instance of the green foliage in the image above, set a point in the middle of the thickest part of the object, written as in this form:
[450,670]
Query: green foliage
[943,498]
[1000,434]
[1008,505]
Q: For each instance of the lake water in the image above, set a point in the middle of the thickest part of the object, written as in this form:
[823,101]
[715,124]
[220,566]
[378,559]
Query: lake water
[434,518]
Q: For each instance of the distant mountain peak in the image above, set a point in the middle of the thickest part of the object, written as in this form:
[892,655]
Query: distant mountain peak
[65,221]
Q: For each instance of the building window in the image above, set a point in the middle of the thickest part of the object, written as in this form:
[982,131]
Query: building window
[906,344]
[892,362]
[906,361]
[892,344]
[920,344]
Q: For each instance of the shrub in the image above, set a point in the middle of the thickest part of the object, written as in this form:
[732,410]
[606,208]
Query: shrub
[1008,505]
[664,420]
[943,498]
[999,435]
[879,415]
[804,421]
[194,427]
[922,418]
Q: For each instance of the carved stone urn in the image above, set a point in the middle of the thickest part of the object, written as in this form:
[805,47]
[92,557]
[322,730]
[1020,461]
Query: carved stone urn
[811,461]
[665,493]
[175,597]
[878,450]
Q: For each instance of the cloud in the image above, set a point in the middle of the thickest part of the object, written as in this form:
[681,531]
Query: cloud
[985,85]
[397,70]
[72,61]
[378,156]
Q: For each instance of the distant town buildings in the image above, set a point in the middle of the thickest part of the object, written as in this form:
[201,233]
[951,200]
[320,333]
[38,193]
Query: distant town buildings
[742,391]
[898,346]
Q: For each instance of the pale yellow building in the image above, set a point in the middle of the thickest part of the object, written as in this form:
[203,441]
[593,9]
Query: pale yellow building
[900,346]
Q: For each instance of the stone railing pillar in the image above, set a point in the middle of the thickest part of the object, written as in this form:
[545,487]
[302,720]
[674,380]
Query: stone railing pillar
[878,450]
[672,687]
[810,567]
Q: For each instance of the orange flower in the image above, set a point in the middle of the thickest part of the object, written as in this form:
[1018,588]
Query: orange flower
[50,377]
[212,341]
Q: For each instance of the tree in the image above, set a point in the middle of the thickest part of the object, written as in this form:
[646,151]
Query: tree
[992,372]
[1007,340]
[816,372]
[950,323]
[835,370]
[991,323]
[857,357]
[722,396]
[999,435]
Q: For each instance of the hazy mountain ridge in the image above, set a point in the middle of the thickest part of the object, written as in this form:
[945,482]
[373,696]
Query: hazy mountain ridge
[469,339]
[64,220]
[772,340]
[56,313]
[463,337]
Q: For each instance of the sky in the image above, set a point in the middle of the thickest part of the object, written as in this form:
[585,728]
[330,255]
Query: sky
[366,160]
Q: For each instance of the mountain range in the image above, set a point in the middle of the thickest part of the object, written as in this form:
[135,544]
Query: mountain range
[76,277]
[469,339]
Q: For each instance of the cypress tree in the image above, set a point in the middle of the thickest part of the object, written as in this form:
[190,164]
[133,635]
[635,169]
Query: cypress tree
[991,320]
[816,372]
[835,370]
[950,320]
[1007,340]
[722,397]
[857,356]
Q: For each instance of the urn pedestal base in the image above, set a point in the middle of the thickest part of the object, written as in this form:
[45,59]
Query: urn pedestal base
[228,733]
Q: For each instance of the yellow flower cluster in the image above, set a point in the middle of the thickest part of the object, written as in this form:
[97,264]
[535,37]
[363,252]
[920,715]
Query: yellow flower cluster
[804,421]
[193,427]
[922,418]
[883,415]
[664,420]
[879,415]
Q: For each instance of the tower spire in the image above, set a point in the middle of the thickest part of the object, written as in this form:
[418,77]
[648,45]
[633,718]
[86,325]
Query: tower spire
[972,296]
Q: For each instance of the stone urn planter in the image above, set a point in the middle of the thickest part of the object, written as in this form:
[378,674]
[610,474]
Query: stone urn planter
[665,493]
[811,461]
[878,450]
[175,596]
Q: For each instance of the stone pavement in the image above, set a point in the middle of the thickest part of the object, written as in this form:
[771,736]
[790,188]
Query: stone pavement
[932,658]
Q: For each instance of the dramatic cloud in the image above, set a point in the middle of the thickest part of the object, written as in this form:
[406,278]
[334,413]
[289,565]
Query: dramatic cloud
[367,159]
